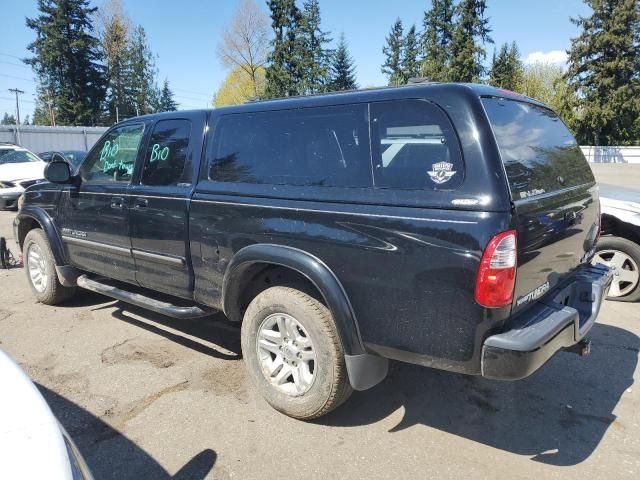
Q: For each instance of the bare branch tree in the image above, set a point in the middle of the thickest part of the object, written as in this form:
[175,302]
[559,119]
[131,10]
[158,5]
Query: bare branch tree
[245,42]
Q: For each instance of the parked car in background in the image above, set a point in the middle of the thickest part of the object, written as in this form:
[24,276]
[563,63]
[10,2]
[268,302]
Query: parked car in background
[74,157]
[19,169]
[32,442]
[619,246]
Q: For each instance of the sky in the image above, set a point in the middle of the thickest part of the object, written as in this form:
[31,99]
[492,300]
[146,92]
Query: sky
[184,35]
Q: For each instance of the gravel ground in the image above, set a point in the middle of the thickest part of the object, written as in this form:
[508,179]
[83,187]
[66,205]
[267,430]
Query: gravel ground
[145,396]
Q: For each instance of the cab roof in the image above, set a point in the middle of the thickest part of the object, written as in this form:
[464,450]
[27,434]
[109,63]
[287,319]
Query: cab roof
[411,90]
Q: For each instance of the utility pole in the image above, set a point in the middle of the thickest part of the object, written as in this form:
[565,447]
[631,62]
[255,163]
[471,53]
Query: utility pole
[17,92]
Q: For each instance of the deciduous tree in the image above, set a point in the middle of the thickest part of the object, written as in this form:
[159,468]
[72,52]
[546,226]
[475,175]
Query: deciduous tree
[238,87]
[245,43]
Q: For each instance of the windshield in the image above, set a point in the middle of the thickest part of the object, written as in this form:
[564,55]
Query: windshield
[538,151]
[16,156]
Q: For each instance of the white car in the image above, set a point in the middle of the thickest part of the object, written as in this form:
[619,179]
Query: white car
[619,245]
[32,442]
[19,169]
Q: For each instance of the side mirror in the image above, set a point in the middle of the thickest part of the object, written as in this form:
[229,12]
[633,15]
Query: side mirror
[57,171]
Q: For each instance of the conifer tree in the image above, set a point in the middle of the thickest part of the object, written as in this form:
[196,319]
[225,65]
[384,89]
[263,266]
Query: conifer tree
[604,73]
[343,75]
[392,51]
[8,119]
[410,55]
[164,101]
[67,61]
[470,35]
[316,58]
[436,40]
[143,71]
[285,70]
[507,70]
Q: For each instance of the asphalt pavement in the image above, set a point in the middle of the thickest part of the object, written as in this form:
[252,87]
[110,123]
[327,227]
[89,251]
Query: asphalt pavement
[146,396]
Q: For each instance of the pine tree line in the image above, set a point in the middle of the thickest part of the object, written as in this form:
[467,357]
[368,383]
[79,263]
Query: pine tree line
[598,95]
[92,65]
[300,61]
[450,47]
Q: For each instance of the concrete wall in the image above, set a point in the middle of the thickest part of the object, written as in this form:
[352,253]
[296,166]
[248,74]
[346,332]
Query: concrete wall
[612,154]
[43,139]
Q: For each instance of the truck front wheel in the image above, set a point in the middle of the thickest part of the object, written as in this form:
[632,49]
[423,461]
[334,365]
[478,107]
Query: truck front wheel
[41,270]
[292,350]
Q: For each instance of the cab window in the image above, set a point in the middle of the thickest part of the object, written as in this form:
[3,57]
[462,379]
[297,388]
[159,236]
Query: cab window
[167,152]
[113,158]
[414,146]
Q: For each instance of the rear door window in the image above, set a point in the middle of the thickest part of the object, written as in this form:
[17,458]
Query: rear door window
[166,153]
[538,151]
[414,146]
[325,146]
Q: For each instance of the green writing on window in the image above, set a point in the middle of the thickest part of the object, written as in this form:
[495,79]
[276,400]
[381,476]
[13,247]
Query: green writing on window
[158,153]
[109,150]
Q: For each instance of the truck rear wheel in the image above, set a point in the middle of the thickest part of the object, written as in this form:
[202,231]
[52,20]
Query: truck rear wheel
[623,257]
[292,350]
[41,270]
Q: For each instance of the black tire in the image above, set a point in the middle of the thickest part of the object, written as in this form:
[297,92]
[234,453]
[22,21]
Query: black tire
[53,291]
[330,387]
[630,249]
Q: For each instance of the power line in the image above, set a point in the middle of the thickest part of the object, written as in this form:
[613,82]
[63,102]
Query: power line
[16,64]
[17,78]
[9,55]
[193,92]
[11,99]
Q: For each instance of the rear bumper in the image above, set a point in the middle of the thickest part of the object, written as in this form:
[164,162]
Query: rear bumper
[558,321]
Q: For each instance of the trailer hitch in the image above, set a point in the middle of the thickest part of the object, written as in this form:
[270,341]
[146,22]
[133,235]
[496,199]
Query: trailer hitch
[582,348]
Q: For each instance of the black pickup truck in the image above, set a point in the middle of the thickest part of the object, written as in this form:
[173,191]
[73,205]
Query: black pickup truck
[446,225]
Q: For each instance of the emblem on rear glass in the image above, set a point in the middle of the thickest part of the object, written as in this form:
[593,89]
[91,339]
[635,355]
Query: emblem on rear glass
[441,172]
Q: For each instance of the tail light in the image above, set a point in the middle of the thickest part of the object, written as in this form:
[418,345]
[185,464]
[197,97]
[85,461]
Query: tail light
[497,273]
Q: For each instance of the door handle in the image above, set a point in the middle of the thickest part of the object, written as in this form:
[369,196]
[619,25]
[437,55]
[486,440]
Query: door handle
[117,202]
[140,203]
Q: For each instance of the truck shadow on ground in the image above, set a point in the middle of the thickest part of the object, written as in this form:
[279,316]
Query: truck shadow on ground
[214,330]
[557,416]
[111,455]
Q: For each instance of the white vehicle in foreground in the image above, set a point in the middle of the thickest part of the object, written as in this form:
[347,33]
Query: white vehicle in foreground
[19,169]
[33,444]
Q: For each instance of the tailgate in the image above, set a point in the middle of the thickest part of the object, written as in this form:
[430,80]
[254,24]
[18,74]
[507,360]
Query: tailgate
[555,200]
[555,235]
